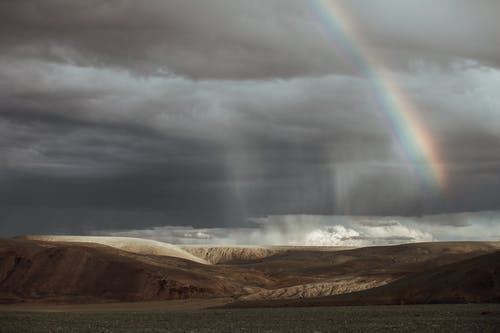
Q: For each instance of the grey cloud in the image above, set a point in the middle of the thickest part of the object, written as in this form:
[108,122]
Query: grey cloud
[331,230]
[428,30]
[196,39]
[214,114]
[237,39]
[370,223]
[217,153]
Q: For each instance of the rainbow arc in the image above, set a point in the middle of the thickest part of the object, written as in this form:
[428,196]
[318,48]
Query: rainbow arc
[419,148]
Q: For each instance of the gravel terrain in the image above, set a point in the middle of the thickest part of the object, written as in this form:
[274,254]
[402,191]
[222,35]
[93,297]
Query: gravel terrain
[419,318]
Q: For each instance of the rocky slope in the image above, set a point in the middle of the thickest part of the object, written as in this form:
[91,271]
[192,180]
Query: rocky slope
[81,270]
[31,270]
[134,245]
[475,280]
[241,254]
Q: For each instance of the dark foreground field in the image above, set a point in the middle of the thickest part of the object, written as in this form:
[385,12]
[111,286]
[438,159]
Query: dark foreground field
[414,318]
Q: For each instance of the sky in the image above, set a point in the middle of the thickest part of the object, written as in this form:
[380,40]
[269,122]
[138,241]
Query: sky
[262,122]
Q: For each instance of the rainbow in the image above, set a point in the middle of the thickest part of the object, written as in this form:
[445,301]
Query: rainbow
[419,149]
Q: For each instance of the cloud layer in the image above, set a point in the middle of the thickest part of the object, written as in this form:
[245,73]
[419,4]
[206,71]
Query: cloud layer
[322,230]
[132,115]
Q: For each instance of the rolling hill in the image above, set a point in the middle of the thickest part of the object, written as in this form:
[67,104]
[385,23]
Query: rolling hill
[102,269]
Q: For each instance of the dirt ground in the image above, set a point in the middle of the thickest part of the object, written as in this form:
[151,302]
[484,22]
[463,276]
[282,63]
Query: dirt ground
[170,305]
[468,318]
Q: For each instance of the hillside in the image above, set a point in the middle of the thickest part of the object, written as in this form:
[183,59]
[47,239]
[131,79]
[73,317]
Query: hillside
[103,269]
[129,244]
[82,272]
[475,280]
[241,254]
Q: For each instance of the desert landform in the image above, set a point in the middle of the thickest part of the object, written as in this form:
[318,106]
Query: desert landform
[115,270]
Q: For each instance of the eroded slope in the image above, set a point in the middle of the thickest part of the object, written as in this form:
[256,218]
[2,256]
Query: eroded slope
[134,245]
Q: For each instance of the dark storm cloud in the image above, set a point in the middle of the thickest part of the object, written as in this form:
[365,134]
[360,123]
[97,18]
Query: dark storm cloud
[192,38]
[125,115]
[240,39]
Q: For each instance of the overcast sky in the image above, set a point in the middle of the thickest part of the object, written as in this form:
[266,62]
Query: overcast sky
[227,114]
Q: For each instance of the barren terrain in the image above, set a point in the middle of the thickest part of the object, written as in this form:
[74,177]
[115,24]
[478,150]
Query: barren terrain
[464,318]
[87,270]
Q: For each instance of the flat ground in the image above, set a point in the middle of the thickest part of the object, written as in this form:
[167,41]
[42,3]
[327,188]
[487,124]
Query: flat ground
[408,318]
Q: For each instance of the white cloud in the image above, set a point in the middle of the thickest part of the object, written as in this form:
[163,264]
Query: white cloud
[395,231]
[333,236]
[323,230]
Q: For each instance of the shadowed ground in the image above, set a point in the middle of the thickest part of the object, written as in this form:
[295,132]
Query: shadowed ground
[416,318]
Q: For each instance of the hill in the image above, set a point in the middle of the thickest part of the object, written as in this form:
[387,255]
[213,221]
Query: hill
[475,280]
[103,269]
[129,244]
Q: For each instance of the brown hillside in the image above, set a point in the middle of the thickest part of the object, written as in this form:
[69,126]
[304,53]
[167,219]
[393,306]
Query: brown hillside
[242,254]
[475,280]
[129,244]
[33,270]
[83,272]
